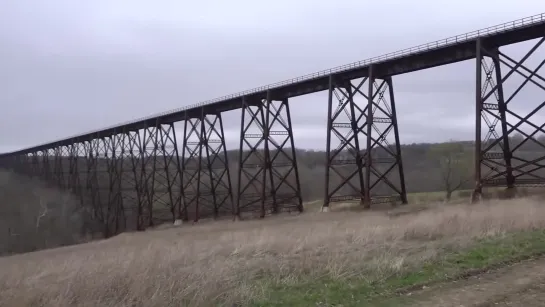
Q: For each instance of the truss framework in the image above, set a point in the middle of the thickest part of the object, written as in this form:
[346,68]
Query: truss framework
[365,165]
[205,169]
[139,179]
[130,180]
[500,159]
[268,177]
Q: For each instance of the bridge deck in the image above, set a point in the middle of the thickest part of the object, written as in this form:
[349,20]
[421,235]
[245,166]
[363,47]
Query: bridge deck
[442,52]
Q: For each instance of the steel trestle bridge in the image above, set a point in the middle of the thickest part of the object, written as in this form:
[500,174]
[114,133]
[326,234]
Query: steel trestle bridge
[135,175]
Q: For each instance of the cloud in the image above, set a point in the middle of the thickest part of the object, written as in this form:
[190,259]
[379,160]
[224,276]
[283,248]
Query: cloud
[69,67]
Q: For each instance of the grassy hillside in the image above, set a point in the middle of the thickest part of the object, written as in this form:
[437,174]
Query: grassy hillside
[317,259]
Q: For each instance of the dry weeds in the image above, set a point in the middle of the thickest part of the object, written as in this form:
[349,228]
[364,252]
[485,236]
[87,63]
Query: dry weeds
[198,265]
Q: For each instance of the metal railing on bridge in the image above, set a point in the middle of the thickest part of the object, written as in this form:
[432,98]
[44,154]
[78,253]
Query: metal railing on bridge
[519,23]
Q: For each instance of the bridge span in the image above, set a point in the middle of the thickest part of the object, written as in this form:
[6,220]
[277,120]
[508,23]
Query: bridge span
[135,174]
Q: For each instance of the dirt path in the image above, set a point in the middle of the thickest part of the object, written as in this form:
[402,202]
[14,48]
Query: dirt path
[521,284]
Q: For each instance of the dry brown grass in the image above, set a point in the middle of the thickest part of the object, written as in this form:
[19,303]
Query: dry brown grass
[198,265]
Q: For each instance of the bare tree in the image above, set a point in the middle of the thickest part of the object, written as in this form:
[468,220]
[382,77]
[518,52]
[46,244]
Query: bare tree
[454,165]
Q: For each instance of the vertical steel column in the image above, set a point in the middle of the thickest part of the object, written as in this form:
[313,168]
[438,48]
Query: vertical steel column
[40,168]
[52,158]
[149,165]
[284,185]
[139,175]
[143,204]
[240,157]
[129,179]
[478,107]
[79,189]
[368,150]
[83,172]
[119,154]
[227,172]
[502,107]
[46,166]
[199,172]
[380,158]
[251,194]
[58,172]
[73,173]
[144,170]
[166,169]
[179,165]
[355,130]
[171,169]
[185,204]
[102,181]
[197,191]
[507,163]
[397,141]
[72,168]
[331,88]
[268,185]
[299,197]
[206,140]
[160,177]
[217,165]
[92,180]
[345,160]
[115,217]
[265,162]
[107,183]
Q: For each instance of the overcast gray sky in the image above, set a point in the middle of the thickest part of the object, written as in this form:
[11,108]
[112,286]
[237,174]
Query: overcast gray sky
[72,66]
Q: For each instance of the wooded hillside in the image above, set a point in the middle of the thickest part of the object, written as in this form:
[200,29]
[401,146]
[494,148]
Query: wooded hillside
[34,217]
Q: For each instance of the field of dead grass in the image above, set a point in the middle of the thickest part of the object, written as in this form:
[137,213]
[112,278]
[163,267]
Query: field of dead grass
[230,263]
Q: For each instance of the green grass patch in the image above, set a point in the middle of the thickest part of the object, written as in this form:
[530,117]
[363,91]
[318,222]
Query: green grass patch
[484,254]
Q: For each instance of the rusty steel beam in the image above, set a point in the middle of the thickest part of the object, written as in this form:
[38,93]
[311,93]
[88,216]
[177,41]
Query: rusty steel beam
[170,175]
[268,177]
[115,216]
[499,161]
[192,168]
[130,154]
[285,187]
[205,172]
[251,185]
[384,165]
[217,166]
[363,164]
[344,162]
